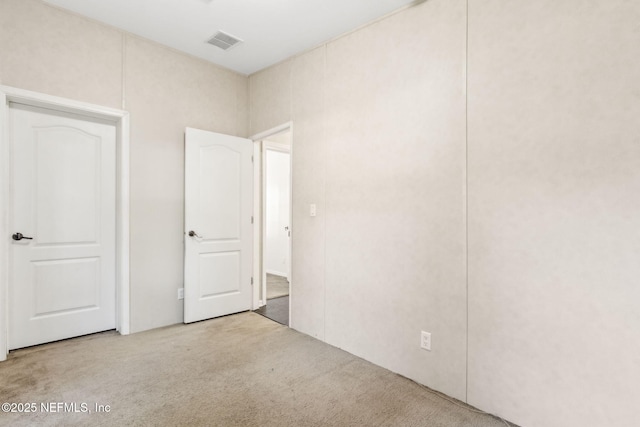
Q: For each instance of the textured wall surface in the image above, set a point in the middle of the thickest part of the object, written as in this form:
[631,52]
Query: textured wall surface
[378,146]
[552,166]
[554,230]
[48,50]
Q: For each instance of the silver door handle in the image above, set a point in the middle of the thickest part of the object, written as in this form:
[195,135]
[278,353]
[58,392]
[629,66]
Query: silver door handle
[194,234]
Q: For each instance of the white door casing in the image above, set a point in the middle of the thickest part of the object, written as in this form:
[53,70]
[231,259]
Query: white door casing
[260,285]
[119,119]
[218,225]
[64,197]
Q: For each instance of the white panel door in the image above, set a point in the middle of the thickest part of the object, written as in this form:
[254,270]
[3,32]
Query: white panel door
[63,192]
[218,230]
[277,200]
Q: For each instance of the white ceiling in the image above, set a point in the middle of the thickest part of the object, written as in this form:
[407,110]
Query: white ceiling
[272,30]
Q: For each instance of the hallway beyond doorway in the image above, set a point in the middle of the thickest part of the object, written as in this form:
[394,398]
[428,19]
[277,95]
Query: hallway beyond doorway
[277,286]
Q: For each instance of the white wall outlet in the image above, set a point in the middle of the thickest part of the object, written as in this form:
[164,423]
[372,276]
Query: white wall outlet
[425,340]
[312,209]
[181,293]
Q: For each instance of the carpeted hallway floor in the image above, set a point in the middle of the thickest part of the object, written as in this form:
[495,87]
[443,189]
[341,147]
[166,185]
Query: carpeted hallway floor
[240,370]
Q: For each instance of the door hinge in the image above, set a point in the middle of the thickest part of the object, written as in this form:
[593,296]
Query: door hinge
[252,280]
[252,220]
[251,159]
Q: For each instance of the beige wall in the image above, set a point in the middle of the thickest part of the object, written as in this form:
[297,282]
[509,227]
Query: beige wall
[378,146]
[554,224]
[48,50]
[553,176]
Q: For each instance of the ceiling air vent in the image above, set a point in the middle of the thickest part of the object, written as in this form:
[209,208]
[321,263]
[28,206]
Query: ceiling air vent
[223,40]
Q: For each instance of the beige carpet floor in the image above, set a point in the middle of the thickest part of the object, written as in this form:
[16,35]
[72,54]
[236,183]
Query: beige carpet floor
[277,286]
[240,370]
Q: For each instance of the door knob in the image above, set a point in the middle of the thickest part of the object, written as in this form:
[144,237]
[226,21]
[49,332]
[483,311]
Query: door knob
[20,236]
[194,234]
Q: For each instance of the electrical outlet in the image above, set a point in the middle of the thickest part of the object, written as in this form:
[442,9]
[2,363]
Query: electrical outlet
[425,340]
[181,293]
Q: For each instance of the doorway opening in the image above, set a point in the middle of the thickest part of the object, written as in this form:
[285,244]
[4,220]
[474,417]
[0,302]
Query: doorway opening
[274,236]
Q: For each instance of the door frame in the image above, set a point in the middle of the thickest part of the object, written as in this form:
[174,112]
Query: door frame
[120,119]
[273,146]
[259,282]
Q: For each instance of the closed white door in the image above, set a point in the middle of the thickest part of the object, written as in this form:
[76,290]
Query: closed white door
[63,192]
[277,183]
[218,225]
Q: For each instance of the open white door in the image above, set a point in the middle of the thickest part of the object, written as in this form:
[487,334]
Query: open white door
[218,225]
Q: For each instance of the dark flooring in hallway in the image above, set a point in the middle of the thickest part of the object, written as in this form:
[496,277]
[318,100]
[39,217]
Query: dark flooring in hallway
[277,309]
